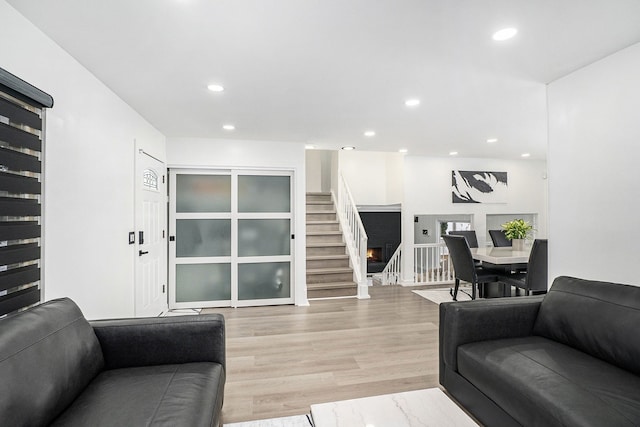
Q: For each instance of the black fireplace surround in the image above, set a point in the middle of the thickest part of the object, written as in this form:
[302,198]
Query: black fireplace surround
[384,235]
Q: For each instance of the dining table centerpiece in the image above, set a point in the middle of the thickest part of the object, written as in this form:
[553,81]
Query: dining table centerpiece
[517,231]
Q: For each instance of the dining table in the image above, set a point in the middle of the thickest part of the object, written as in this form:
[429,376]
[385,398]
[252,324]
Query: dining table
[505,261]
[502,255]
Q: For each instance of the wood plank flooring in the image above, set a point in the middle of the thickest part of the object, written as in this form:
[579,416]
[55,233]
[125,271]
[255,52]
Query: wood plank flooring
[282,359]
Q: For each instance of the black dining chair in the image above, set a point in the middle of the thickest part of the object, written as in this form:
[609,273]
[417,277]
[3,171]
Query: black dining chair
[499,239]
[472,240]
[535,280]
[470,235]
[464,266]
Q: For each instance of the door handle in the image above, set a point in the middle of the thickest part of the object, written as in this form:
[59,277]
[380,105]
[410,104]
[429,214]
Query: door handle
[141,252]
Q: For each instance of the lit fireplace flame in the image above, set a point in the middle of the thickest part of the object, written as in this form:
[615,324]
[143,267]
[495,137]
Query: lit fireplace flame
[369,253]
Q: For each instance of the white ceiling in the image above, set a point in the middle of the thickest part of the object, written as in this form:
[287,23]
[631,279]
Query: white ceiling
[323,71]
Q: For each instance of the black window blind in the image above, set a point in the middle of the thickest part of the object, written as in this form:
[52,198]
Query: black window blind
[22,108]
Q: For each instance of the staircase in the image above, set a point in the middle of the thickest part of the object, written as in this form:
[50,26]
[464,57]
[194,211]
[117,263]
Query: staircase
[328,271]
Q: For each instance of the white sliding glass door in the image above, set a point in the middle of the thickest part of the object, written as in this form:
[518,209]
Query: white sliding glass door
[230,238]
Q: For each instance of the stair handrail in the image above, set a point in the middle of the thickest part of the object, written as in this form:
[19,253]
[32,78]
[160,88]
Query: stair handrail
[354,234]
[392,273]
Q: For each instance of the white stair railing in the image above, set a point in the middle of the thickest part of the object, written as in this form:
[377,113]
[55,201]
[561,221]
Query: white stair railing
[391,275]
[354,234]
[432,265]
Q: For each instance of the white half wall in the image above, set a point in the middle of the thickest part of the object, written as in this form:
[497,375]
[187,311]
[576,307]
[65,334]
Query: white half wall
[427,190]
[594,172]
[89,172]
[227,154]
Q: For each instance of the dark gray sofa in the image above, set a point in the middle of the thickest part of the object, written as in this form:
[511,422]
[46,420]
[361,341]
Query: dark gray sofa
[570,358]
[56,368]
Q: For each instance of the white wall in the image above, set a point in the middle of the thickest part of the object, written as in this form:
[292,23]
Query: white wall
[594,158]
[218,153]
[89,165]
[318,167]
[374,178]
[427,190]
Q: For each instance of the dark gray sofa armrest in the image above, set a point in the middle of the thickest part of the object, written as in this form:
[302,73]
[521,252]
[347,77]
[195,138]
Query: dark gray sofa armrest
[480,320]
[161,340]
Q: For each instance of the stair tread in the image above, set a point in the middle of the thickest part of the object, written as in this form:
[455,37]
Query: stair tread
[319,202]
[325,270]
[328,221]
[326,257]
[325,244]
[318,193]
[323,233]
[331,285]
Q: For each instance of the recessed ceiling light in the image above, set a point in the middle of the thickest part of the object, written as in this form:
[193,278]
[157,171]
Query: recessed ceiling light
[228,127]
[453,153]
[412,102]
[525,155]
[504,34]
[403,150]
[348,148]
[492,140]
[310,147]
[369,133]
[215,88]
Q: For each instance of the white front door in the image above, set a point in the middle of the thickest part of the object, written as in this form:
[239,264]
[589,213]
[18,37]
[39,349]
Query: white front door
[151,249]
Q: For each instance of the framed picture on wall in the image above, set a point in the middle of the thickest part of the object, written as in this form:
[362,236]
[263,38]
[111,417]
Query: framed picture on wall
[478,187]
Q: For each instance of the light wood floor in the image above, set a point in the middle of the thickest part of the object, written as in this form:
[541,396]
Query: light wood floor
[282,359]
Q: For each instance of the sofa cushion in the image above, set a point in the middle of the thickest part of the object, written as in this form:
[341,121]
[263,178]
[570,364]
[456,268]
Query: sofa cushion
[598,318]
[48,355]
[540,382]
[187,394]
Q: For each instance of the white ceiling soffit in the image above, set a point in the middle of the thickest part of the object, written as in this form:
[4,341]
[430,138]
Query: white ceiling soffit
[324,72]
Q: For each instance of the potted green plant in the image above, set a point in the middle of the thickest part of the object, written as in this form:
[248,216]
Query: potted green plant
[517,230]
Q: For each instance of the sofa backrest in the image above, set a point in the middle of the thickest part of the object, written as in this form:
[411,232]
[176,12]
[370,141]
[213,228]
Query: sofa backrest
[598,318]
[48,355]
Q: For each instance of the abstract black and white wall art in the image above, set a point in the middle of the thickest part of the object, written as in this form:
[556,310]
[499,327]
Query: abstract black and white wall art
[478,187]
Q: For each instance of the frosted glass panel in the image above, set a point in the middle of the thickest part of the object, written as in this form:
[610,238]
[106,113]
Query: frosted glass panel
[264,280]
[203,282]
[258,193]
[262,237]
[203,237]
[203,193]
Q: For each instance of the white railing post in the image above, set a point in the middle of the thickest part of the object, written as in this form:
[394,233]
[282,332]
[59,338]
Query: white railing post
[363,286]
[355,235]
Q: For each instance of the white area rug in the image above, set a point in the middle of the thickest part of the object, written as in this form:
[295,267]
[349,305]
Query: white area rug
[442,295]
[295,421]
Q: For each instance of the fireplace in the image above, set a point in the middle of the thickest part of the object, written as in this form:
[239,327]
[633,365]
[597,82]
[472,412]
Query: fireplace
[377,258]
[374,255]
